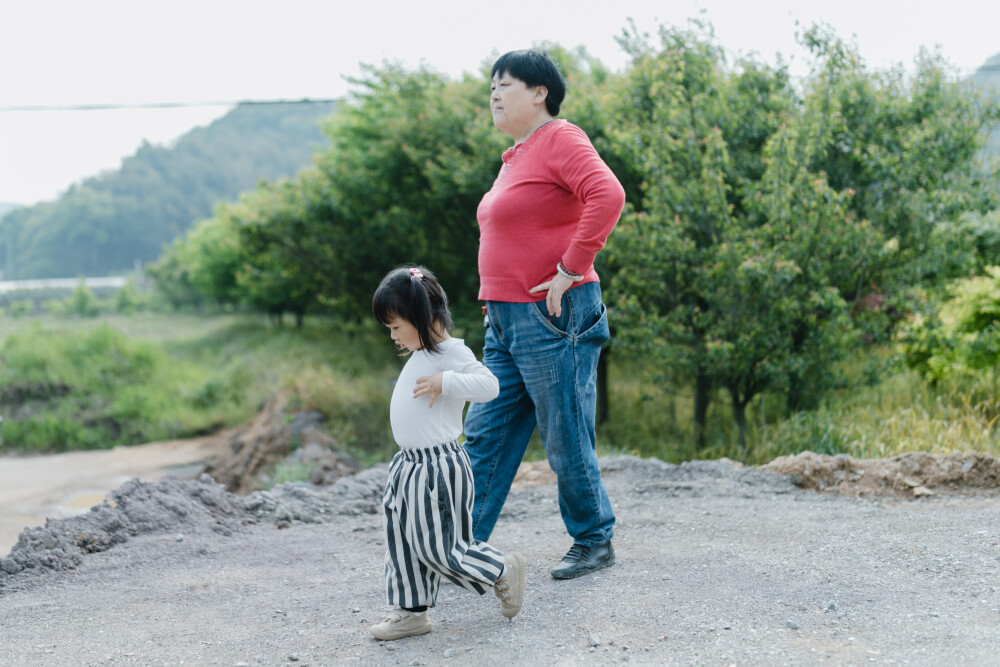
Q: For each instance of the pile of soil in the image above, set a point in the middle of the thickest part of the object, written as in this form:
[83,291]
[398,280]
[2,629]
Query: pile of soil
[913,474]
[184,508]
[273,436]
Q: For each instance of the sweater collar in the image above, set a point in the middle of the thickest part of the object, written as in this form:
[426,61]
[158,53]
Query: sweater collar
[539,132]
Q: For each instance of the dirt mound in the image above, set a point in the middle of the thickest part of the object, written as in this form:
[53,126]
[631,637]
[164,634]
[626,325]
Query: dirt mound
[913,474]
[273,436]
[169,505]
[185,507]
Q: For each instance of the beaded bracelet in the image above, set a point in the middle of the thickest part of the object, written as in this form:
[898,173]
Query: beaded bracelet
[572,275]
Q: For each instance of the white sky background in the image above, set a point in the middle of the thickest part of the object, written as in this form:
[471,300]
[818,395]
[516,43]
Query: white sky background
[56,53]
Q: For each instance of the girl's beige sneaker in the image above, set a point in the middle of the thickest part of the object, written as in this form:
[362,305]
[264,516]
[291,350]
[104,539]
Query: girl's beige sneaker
[510,587]
[401,623]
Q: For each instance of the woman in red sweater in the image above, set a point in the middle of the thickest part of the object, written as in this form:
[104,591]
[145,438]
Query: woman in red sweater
[549,212]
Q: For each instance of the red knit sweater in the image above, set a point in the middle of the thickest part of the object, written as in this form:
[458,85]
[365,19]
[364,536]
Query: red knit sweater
[554,200]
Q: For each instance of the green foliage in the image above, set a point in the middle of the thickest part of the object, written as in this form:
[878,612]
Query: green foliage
[865,419]
[764,216]
[107,223]
[22,307]
[171,274]
[963,339]
[724,276]
[95,388]
[212,256]
[178,375]
[272,237]
[129,299]
[356,407]
[974,240]
[906,144]
[82,301]
[411,155]
[898,416]
[42,382]
[771,228]
[987,80]
[289,471]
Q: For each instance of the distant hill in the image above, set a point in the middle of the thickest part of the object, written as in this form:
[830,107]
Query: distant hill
[6,207]
[107,223]
[987,77]
[989,73]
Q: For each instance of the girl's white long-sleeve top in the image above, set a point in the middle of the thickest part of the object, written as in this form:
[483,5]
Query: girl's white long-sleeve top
[464,379]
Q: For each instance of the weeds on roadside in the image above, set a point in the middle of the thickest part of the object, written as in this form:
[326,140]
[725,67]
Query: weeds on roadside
[125,380]
[878,415]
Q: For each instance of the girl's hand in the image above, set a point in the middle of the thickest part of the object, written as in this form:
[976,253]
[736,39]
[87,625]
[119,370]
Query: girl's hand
[428,386]
[557,286]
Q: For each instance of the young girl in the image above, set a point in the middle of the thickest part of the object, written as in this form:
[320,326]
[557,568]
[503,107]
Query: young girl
[428,497]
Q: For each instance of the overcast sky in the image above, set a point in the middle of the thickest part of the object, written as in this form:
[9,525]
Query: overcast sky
[65,53]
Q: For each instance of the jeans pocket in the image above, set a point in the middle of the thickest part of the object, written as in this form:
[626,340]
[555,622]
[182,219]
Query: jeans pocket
[595,326]
[558,325]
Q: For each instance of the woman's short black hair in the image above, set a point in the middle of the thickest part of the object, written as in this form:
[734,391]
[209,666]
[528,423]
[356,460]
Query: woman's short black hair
[535,68]
[412,293]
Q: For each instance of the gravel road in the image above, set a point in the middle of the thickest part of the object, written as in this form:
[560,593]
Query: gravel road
[718,564]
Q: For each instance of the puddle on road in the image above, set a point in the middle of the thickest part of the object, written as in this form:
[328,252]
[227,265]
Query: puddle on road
[84,501]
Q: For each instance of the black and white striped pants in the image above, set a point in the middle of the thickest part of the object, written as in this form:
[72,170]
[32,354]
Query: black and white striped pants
[428,527]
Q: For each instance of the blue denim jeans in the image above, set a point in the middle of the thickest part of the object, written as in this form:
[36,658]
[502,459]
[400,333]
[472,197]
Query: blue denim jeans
[547,367]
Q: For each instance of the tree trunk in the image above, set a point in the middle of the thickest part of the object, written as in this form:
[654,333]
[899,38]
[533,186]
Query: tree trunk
[702,398]
[793,395]
[740,415]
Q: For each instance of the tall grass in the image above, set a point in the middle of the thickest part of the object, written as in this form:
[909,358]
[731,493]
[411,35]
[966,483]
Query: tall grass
[73,384]
[78,384]
[94,388]
[901,415]
[865,419]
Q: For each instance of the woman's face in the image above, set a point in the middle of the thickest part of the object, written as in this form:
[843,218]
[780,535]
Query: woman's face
[515,106]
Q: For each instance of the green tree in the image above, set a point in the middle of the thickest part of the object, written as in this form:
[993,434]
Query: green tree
[411,155]
[280,269]
[693,132]
[736,269]
[906,143]
[171,275]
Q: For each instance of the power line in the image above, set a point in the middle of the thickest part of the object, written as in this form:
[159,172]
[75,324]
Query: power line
[161,105]
[232,103]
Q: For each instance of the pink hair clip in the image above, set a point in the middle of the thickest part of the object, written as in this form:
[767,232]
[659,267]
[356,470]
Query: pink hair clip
[416,272]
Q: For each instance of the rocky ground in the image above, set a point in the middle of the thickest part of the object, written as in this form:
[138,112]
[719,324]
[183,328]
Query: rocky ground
[717,564]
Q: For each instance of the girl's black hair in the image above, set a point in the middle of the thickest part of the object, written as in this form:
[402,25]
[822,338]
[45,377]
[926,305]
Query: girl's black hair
[535,68]
[413,294]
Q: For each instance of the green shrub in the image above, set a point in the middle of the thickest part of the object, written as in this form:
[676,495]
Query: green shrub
[129,299]
[22,307]
[356,408]
[87,389]
[55,306]
[289,471]
[82,301]
[962,339]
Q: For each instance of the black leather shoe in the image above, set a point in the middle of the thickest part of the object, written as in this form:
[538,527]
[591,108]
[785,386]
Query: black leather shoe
[581,560]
